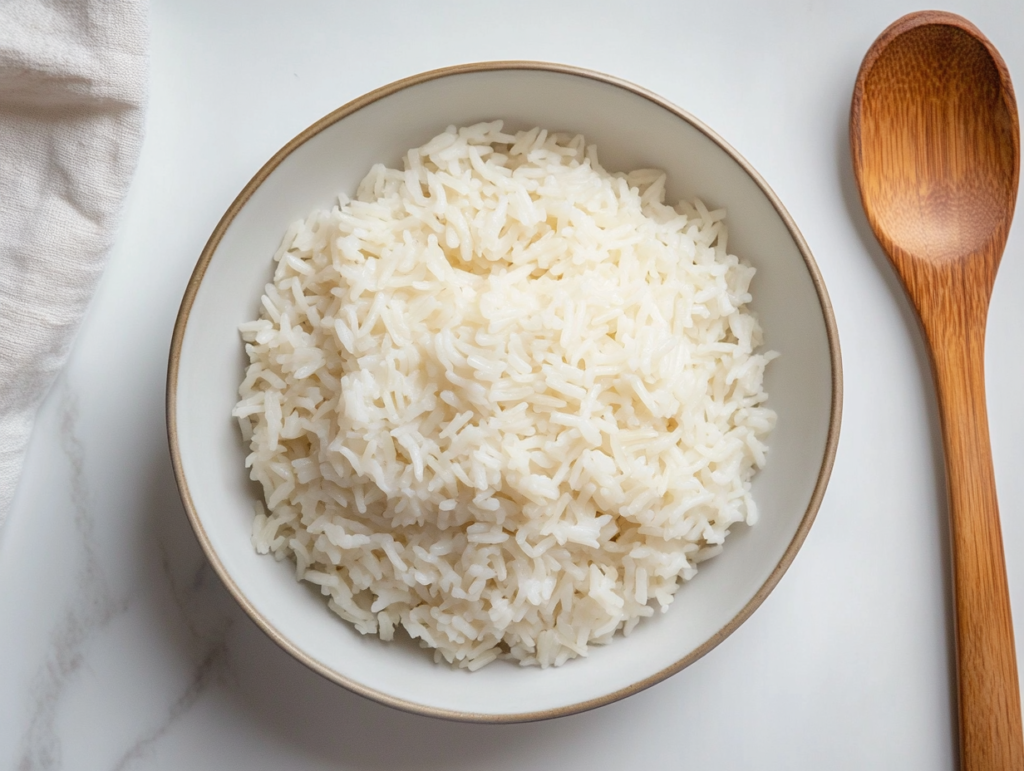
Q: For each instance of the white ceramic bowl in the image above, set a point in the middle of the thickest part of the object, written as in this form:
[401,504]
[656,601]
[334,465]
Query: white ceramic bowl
[632,129]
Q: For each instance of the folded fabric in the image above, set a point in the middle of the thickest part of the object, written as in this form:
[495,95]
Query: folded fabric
[72,87]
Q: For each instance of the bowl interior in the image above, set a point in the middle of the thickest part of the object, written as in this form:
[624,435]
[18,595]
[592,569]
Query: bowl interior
[631,131]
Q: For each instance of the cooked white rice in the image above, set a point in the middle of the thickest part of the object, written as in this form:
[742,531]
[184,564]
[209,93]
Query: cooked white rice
[503,399]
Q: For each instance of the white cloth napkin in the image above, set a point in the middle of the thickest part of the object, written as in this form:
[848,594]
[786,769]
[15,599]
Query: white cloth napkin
[72,86]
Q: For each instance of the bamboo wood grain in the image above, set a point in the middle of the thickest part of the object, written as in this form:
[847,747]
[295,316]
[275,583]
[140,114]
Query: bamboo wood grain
[936,145]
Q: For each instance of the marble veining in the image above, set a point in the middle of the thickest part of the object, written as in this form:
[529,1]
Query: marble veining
[91,606]
[208,670]
[212,645]
[93,603]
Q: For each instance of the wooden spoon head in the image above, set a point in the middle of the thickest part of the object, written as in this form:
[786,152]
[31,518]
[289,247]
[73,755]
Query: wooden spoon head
[935,142]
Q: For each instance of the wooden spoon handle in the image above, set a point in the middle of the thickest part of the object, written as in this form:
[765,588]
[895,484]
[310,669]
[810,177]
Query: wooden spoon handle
[990,715]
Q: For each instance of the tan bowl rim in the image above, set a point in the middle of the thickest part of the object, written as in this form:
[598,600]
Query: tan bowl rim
[211,246]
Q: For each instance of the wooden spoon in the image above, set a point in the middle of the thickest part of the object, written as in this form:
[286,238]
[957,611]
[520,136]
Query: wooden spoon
[936,147]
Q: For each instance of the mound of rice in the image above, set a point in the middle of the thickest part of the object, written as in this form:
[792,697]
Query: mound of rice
[503,399]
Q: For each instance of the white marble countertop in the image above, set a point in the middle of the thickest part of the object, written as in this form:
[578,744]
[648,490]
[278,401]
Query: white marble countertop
[121,650]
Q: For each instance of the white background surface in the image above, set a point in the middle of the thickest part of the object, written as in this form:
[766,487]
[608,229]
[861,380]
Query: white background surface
[119,649]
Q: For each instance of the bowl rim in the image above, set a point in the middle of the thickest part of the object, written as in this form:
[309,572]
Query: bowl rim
[191,290]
